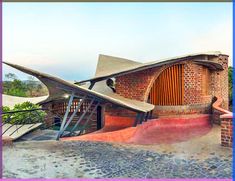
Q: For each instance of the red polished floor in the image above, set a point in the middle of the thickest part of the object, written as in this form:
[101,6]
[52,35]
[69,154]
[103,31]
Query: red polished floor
[155,131]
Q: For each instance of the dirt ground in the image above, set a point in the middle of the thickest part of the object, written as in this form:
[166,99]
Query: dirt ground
[200,157]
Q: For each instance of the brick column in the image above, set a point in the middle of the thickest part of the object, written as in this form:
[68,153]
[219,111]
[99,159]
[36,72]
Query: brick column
[49,116]
[226,131]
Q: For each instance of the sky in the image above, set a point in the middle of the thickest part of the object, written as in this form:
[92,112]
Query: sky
[65,39]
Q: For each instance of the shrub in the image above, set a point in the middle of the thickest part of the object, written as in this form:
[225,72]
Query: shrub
[24,117]
[5,109]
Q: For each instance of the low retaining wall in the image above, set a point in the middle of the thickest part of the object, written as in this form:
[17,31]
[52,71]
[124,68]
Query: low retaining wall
[182,110]
[161,111]
[155,131]
[113,123]
[227,130]
[226,123]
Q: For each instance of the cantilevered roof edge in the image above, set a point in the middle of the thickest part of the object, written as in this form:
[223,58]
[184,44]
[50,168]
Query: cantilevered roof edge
[136,106]
[160,63]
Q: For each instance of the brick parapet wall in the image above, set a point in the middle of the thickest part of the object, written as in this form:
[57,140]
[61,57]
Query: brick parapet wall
[216,117]
[182,110]
[226,122]
[226,132]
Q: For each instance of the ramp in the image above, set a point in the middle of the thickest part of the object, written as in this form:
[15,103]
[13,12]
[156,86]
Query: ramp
[16,131]
[155,131]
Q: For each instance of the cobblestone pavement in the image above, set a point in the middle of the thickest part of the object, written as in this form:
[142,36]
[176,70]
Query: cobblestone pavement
[51,159]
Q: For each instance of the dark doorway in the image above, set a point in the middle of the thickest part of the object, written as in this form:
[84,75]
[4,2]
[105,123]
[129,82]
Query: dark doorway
[99,117]
[57,121]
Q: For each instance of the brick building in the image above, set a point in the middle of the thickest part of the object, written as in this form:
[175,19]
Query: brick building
[135,92]
[185,86]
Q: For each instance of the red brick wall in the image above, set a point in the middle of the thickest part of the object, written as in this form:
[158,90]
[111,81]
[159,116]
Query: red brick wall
[136,85]
[192,83]
[219,81]
[226,132]
[161,111]
[49,118]
[195,81]
[113,110]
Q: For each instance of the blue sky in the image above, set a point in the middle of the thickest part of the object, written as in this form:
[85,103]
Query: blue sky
[65,39]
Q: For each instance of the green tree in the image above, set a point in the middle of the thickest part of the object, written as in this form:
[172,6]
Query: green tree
[36,116]
[10,76]
[29,88]
[14,86]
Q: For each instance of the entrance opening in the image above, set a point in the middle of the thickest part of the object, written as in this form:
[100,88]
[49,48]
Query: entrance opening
[99,118]
[168,88]
[57,121]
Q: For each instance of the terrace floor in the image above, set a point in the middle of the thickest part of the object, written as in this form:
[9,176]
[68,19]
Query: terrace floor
[200,157]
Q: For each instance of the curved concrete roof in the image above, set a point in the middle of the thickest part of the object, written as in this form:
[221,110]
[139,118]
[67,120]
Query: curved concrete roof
[59,88]
[109,66]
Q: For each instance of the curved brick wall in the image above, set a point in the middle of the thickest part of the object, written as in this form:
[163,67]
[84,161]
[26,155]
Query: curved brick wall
[137,86]
[226,123]
[113,123]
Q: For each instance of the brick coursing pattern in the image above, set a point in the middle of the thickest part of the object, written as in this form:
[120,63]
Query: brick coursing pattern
[226,132]
[113,110]
[49,116]
[136,85]
[219,81]
[192,83]
[181,110]
[216,117]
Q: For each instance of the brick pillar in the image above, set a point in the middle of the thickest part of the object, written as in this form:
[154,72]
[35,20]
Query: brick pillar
[219,81]
[226,131]
[49,116]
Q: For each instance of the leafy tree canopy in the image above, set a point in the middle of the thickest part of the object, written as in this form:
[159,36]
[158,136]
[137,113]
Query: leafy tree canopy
[36,116]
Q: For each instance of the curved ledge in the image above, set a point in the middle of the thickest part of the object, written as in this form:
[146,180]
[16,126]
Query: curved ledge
[216,105]
[157,131]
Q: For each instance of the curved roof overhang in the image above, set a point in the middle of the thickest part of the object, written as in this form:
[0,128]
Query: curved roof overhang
[143,66]
[58,88]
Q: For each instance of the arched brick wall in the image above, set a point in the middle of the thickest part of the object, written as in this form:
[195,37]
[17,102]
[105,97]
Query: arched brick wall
[137,85]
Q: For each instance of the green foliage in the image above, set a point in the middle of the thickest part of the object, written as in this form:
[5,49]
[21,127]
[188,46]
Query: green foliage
[29,88]
[230,81]
[10,76]
[5,109]
[15,88]
[24,117]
